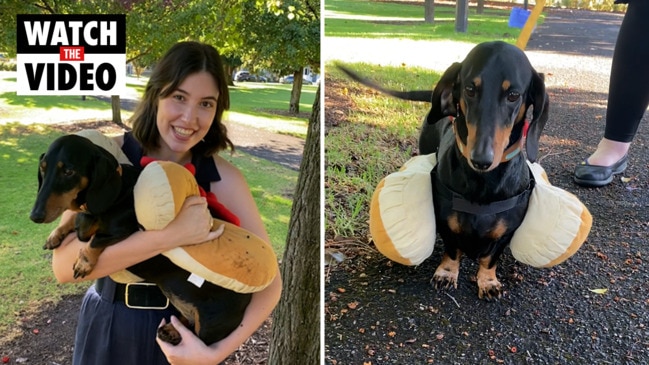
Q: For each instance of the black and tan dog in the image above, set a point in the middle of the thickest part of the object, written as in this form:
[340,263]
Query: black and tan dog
[477,125]
[75,174]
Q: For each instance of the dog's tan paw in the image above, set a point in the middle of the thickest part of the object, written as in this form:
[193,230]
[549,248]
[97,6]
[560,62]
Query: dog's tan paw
[444,279]
[169,334]
[54,239]
[488,285]
[447,272]
[84,265]
[489,288]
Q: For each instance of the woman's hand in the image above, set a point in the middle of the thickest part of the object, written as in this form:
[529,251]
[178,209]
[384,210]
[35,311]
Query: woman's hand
[192,225]
[191,350]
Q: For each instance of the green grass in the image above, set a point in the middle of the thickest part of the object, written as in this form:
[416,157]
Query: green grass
[350,19]
[25,272]
[272,187]
[261,105]
[379,135]
[265,105]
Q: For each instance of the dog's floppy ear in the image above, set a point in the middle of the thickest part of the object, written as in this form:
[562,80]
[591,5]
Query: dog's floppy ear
[40,176]
[105,181]
[444,95]
[538,98]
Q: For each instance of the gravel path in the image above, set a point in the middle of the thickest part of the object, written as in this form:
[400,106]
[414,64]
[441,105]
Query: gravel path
[378,312]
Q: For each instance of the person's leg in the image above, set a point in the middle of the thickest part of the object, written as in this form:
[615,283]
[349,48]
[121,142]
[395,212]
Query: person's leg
[628,95]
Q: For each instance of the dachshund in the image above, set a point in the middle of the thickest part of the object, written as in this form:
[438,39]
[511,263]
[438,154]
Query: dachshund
[477,125]
[75,174]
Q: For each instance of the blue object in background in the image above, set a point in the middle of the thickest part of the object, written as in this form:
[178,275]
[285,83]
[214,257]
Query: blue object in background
[518,17]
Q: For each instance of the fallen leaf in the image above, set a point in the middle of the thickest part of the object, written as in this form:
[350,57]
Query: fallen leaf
[599,291]
[352,305]
[5,359]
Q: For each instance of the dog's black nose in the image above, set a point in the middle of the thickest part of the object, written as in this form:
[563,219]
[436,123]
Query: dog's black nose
[481,164]
[37,217]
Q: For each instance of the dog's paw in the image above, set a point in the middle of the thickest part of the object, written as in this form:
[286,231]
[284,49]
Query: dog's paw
[169,334]
[489,288]
[444,278]
[54,239]
[84,265]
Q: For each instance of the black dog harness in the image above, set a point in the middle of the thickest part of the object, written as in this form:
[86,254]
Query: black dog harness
[450,200]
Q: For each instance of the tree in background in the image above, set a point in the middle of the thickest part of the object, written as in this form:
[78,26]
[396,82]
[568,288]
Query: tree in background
[283,37]
[152,26]
[296,323]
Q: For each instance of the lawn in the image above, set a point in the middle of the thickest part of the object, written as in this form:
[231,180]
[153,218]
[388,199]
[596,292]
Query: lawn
[263,105]
[372,19]
[377,136]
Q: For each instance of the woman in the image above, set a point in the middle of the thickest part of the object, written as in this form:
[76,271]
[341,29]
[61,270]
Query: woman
[628,98]
[179,119]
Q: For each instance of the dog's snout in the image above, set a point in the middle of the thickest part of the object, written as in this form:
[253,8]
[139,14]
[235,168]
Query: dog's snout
[37,216]
[481,165]
[482,161]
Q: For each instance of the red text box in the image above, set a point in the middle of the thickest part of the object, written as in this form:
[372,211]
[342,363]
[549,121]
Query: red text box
[71,54]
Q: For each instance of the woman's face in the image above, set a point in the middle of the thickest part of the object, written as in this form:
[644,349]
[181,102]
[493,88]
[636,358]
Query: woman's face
[185,116]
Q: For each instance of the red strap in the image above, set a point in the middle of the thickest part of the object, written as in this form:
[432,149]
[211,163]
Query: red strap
[217,208]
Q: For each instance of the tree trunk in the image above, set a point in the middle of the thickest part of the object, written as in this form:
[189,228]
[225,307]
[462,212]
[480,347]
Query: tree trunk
[480,9]
[117,111]
[229,70]
[461,16]
[294,106]
[296,323]
[429,9]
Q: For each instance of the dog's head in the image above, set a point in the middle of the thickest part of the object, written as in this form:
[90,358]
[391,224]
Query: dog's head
[489,95]
[72,173]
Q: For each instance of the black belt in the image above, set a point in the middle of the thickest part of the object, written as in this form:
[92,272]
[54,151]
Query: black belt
[134,295]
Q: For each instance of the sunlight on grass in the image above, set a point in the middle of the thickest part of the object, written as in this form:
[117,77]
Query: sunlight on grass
[371,19]
[378,136]
[272,186]
[261,105]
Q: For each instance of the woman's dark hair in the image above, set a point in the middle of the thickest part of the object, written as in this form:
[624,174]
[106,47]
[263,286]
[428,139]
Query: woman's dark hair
[182,60]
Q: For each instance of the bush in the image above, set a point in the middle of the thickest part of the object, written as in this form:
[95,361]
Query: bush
[600,5]
[7,66]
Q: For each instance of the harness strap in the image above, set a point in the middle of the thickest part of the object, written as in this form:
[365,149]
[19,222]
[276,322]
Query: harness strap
[457,202]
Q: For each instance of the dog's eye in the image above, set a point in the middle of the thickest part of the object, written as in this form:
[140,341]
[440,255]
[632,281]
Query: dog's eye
[68,172]
[513,96]
[469,91]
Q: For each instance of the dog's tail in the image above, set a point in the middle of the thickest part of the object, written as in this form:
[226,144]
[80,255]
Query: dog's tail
[414,95]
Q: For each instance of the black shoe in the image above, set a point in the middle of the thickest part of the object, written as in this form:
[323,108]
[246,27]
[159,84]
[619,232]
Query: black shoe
[595,176]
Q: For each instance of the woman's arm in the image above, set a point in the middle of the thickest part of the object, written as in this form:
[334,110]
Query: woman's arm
[234,193]
[141,245]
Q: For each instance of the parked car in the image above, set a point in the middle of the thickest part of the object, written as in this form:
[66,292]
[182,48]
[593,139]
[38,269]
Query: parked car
[286,79]
[242,76]
[258,78]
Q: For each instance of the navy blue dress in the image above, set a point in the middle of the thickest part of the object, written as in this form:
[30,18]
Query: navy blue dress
[108,332]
